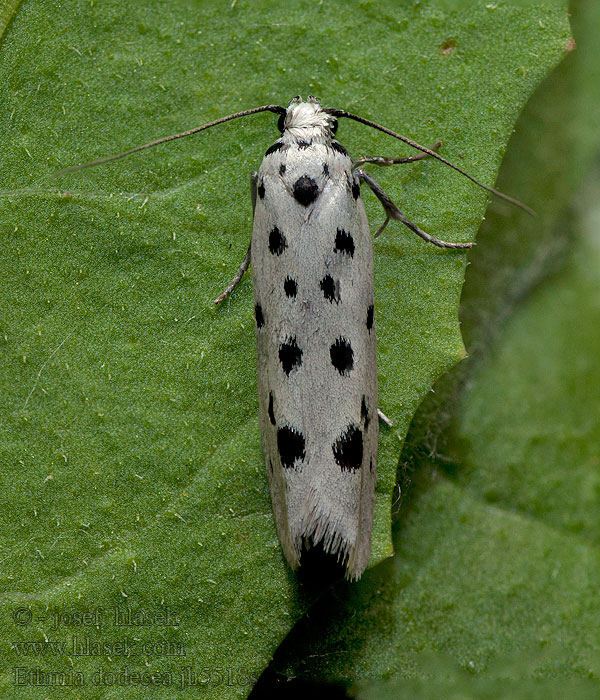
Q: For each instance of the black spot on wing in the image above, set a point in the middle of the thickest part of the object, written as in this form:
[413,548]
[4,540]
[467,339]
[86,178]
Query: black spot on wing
[342,356]
[290,287]
[337,146]
[261,190]
[275,147]
[290,355]
[271,413]
[348,449]
[364,413]
[305,190]
[370,317]
[277,242]
[325,170]
[330,289]
[356,188]
[260,317]
[290,443]
[344,243]
[282,169]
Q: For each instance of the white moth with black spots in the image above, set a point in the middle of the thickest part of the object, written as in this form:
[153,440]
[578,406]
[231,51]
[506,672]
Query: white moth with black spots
[312,259]
[316,349]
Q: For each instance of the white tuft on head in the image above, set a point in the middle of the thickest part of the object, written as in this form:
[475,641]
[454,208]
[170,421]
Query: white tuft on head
[307,120]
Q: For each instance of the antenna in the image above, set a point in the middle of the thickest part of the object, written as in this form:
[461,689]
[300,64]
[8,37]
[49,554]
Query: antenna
[266,108]
[424,149]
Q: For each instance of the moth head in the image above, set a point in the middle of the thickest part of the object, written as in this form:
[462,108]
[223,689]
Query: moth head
[303,119]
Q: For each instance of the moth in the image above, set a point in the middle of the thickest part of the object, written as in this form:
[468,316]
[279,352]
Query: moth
[312,260]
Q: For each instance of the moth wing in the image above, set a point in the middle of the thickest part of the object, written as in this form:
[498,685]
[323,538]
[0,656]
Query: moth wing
[316,354]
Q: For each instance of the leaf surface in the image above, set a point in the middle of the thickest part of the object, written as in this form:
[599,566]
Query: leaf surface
[130,464]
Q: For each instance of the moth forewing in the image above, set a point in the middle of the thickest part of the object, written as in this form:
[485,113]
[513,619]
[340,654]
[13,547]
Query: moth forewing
[312,264]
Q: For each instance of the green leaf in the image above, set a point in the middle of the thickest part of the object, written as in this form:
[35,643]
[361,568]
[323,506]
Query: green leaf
[457,684]
[131,471]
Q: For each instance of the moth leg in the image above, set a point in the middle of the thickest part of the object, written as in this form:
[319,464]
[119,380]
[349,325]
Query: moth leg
[381,415]
[246,261]
[238,276]
[392,212]
[253,189]
[381,160]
